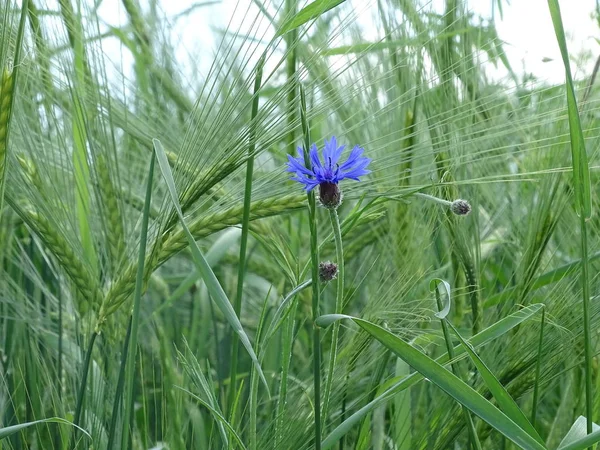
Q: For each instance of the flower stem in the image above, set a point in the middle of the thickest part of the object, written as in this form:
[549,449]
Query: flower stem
[339,303]
[314,253]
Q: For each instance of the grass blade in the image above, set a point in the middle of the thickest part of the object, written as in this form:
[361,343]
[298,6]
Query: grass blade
[309,12]
[583,203]
[399,385]
[130,358]
[8,431]
[245,228]
[503,398]
[452,385]
[212,284]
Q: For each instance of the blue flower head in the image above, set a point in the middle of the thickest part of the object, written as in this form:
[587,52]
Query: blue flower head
[328,174]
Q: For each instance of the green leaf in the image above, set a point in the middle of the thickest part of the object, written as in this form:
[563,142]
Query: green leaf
[452,385]
[219,417]
[577,432]
[576,438]
[503,398]
[397,385]
[443,288]
[7,431]
[581,170]
[217,293]
[309,12]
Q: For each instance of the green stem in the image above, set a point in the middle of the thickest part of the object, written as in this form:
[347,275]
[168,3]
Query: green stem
[82,386]
[120,382]
[473,438]
[135,315]
[339,304]
[538,364]
[587,337]
[314,253]
[245,228]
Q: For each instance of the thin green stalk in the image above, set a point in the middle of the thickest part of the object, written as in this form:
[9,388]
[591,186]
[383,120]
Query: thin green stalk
[339,304]
[119,391]
[135,315]
[583,201]
[82,387]
[473,438]
[314,253]
[245,229]
[587,335]
[538,365]
[287,335]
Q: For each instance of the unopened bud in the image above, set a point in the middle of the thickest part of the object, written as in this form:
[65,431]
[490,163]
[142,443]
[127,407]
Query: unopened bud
[460,207]
[327,271]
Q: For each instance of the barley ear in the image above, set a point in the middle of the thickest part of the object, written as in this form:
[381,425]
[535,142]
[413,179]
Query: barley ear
[114,231]
[6,92]
[66,257]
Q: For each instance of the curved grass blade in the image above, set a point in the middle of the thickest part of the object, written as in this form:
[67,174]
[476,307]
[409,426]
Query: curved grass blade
[451,384]
[217,415]
[581,170]
[576,432]
[212,283]
[438,287]
[309,12]
[572,441]
[396,385]
[503,398]
[443,289]
[583,203]
[8,431]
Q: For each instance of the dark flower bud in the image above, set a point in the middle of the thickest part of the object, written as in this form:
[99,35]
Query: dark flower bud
[330,195]
[327,271]
[460,207]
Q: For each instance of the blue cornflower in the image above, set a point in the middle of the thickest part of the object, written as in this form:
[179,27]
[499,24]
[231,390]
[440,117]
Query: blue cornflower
[330,173]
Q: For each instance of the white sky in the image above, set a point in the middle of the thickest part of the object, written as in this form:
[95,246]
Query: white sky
[526,27]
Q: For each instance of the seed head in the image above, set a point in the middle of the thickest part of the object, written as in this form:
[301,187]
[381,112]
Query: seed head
[327,271]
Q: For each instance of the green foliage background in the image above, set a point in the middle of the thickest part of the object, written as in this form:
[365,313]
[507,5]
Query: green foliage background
[76,144]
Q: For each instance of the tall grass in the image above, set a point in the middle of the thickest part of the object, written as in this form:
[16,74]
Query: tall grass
[124,296]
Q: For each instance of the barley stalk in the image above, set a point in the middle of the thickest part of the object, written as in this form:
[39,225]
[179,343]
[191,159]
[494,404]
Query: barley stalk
[171,244]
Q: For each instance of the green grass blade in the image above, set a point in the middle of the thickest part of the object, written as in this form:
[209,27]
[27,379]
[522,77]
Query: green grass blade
[212,283]
[452,385]
[219,417]
[8,431]
[314,261]
[439,287]
[245,226]
[396,386]
[581,170]
[538,366]
[309,12]
[503,398]
[135,315]
[583,203]
[571,442]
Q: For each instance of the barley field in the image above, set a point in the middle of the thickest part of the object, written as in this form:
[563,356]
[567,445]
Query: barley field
[321,224]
